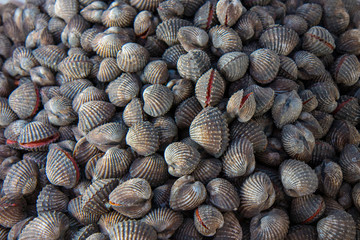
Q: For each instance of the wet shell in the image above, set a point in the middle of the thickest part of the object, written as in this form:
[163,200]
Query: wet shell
[249,26]
[155,46]
[155,72]
[108,220]
[264,65]
[192,38]
[330,177]
[85,232]
[96,196]
[193,64]
[233,65]
[187,231]
[158,100]
[59,111]
[205,126]
[7,115]
[48,225]
[13,131]
[164,220]
[207,169]
[21,179]
[25,100]
[172,55]
[187,194]
[61,168]
[349,162]
[94,113]
[84,217]
[108,44]
[66,9]
[280,39]
[223,194]
[309,121]
[143,138]
[272,225]
[311,12]
[256,194]
[71,35]
[167,31]
[286,109]
[134,112]
[346,70]
[239,159]
[264,98]
[210,88]
[326,94]
[49,56]
[356,196]
[266,17]
[132,198]
[72,88]
[242,106]
[298,178]
[336,18]
[37,136]
[132,57]
[348,42]
[318,41]
[24,59]
[228,12]
[118,14]
[182,159]
[181,88]
[51,199]
[12,210]
[88,94]
[309,65]
[337,225]
[224,40]
[123,89]
[132,230]
[208,220]
[186,112]
[307,209]
[152,168]
[108,70]
[342,133]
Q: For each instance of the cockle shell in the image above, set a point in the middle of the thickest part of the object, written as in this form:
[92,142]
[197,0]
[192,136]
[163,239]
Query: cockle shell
[207,220]
[193,64]
[12,210]
[143,138]
[133,230]
[192,38]
[337,225]
[228,12]
[264,65]
[132,57]
[286,109]
[158,100]
[123,89]
[242,106]
[223,194]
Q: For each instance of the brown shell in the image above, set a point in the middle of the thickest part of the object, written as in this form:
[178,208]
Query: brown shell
[296,23]
[205,126]
[326,94]
[308,64]
[49,55]
[158,100]
[310,122]
[228,12]
[132,57]
[319,41]
[191,6]
[12,210]
[85,232]
[118,14]
[59,111]
[187,231]
[66,9]
[280,39]
[193,64]
[83,151]
[108,220]
[93,11]
[186,112]
[145,24]
[172,54]
[207,169]
[311,12]
[256,194]
[155,72]
[88,94]
[123,89]
[170,9]
[143,138]
[266,17]
[223,195]
[337,225]
[75,66]
[72,88]
[133,230]
[249,26]
[208,220]
[7,115]
[167,31]
[330,177]
[149,5]
[307,209]
[192,38]
[241,105]
[233,65]
[181,88]
[132,198]
[238,159]
[322,150]
[346,70]
[298,178]
[309,100]
[298,232]
[162,195]
[134,112]
[231,228]
[342,133]
[164,220]
[15,231]
[336,18]
[348,42]
[167,129]
[51,199]
[349,159]
[71,35]
[108,44]
[264,65]
[224,40]
[108,70]
[270,225]
[205,16]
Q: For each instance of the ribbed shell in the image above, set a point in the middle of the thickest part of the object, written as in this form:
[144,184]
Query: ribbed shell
[132,198]
[75,66]
[287,108]
[143,138]
[181,158]
[288,68]
[307,209]
[223,195]
[167,31]
[71,34]
[88,94]
[108,220]
[242,106]
[108,70]
[228,12]
[210,130]
[186,112]
[210,88]
[337,225]
[61,168]
[94,113]
[272,225]
[133,112]
[311,12]
[205,16]
[94,11]
[233,65]
[15,231]
[83,151]
[108,44]
[298,178]
[239,159]
[264,65]
[51,199]
[187,231]
[224,40]
[330,177]
[192,38]
[193,64]
[208,220]
[309,100]
[249,26]
[280,39]
[132,57]
[346,70]
[25,100]
[318,41]
[155,72]
[326,94]
[7,115]
[348,42]
[164,220]
[96,196]
[342,133]
[231,229]
[72,88]
[152,168]
[172,54]
[132,230]
[158,100]
[123,89]
[299,232]
[66,9]
[49,55]
[256,194]
[21,179]
[83,217]
[118,14]
[309,65]
[349,162]
[186,193]
[85,232]
[48,225]
[181,88]
[24,60]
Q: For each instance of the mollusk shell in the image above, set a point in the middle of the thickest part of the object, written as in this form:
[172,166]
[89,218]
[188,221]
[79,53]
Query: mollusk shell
[264,65]
[207,220]
[158,100]
[132,230]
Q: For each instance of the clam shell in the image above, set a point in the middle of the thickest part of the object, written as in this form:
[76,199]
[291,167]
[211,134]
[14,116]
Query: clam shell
[228,12]
[344,197]
[118,14]
[7,115]
[231,228]
[155,72]
[187,230]
[88,94]
[88,36]
[181,88]
[187,194]
[167,130]
[322,150]
[207,169]
[13,131]
[193,64]
[342,133]
[13,210]
[71,35]
[326,94]
[134,112]
[239,159]
[309,100]
[348,109]
[145,24]
[308,64]
[346,70]
[274,154]
[59,111]
[280,39]
[84,217]
[266,17]
[108,220]
[205,126]
[349,163]
[355,195]
[72,88]
[132,198]
[66,9]
[224,40]
[172,54]
[241,105]
[337,225]
[182,159]
[348,42]
[256,194]
[296,23]
[91,164]
[311,12]
[249,26]
[158,100]
[155,46]
[85,232]
[51,199]
[96,196]
[223,195]
[167,31]
[330,178]
[336,18]
[164,220]
[264,65]
[307,209]
[108,44]
[205,16]
[318,41]
[192,38]
[162,195]
[42,76]
[123,89]
[309,121]
[132,57]
[186,112]
[208,220]
[143,138]
[83,151]
[93,11]
[170,9]
[264,98]
[132,230]
[24,59]
[298,232]
[75,66]
[233,65]
[49,55]
[288,68]
[15,231]
[108,70]
[298,178]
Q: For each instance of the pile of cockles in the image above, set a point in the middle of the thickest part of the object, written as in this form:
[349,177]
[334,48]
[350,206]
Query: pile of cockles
[180,120]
